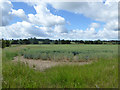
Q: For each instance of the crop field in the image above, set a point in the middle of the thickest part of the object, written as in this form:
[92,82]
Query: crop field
[70,52]
[101,73]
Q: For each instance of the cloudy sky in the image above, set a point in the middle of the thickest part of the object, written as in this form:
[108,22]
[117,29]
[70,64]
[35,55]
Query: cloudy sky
[59,20]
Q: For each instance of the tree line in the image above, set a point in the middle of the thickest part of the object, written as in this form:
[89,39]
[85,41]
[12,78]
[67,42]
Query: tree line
[7,43]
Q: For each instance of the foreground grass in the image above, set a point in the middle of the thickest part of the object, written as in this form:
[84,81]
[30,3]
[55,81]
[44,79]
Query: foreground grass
[99,74]
[103,73]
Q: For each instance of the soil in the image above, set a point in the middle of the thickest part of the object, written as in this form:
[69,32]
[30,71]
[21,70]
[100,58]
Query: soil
[45,64]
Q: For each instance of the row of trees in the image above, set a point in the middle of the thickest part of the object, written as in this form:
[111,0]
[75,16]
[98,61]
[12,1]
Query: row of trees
[7,43]
[25,41]
[39,41]
[96,42]
[88,42]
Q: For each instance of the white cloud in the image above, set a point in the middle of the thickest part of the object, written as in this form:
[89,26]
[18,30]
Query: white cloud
[45,24]
[44,17]
[112,25]
[41,24]
[20,13]
[106,34]
[107,13]
[95,25]
[5,8]
[88,34]
[109,1]
[95,10]
[60,29]
[22,30]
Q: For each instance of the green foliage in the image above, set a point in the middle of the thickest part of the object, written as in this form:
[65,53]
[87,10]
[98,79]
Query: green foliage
[16,41]
[46,41]
[26,41]
[55,42]
[10,52]
[33,41]
[8,44]
[70,52]
[3,43]
[102,74]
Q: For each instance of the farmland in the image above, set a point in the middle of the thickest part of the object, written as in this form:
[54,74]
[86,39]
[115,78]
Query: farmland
[102,72]
[69,52]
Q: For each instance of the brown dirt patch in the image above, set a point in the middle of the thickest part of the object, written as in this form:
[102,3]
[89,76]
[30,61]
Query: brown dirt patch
[44,64]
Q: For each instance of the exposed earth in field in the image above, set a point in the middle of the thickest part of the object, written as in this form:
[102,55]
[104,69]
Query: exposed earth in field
[44,64]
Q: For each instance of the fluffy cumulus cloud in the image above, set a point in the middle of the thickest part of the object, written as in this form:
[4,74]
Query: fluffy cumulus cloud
[106,34]
[60,29]
[88,34]
[20,13]
[84,34]
[95,25]
[44,24]
[107,13]
[95,10]
[78,34]
[45,17]
[112,25]
[5,8]
[22,30]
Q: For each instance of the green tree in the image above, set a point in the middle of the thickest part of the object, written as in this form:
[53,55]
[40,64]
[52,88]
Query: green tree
[56,42]
[3,43]
[8,43]
[15,42]
[35,41]
[63,41]
[26,41]
[46,41]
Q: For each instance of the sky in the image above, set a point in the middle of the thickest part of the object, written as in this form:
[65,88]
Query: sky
[59,20]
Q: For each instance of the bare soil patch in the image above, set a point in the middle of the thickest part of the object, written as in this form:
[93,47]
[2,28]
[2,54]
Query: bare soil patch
[44,64]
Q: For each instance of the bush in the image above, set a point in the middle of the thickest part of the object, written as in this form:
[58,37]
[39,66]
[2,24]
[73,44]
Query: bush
[3,43]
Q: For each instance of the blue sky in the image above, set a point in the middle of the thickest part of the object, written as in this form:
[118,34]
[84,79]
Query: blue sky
[77,21]
[60,20]
[74,21]
[21,5]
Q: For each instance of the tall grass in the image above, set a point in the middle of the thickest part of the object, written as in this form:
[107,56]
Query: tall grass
[70,52]
[8,54]
[102,74]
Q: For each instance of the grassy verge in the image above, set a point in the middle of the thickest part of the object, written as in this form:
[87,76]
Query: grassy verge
[99,74]
[103,73]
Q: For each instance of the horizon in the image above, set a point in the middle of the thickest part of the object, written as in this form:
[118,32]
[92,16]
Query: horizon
[60,39]
[60,20]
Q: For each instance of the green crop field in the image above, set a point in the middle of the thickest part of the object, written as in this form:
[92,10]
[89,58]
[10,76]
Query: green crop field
[68,52]
[102,72]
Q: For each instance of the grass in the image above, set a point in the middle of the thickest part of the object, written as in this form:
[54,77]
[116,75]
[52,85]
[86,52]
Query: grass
[0,68]
[69,52]
[103,73]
